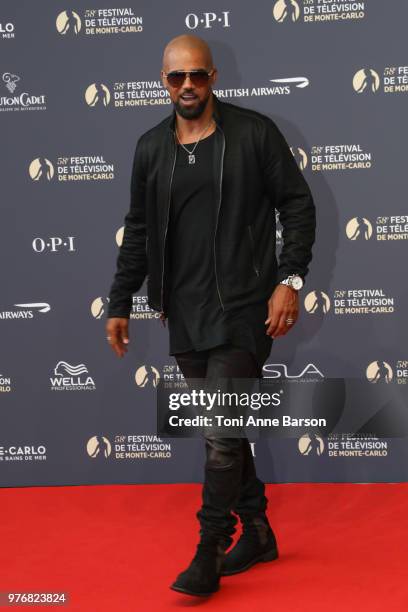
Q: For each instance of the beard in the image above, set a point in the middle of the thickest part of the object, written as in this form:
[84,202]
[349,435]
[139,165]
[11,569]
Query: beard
[192,112]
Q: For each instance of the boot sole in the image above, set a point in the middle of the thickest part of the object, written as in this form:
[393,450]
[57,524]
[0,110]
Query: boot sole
[193,593]
[271,555]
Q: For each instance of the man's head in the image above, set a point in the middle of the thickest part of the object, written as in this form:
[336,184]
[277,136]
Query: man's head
[188,52]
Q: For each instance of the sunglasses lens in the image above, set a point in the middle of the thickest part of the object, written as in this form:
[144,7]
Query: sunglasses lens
[199,78]
[176,79]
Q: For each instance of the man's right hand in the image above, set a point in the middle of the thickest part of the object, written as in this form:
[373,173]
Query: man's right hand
[117,334]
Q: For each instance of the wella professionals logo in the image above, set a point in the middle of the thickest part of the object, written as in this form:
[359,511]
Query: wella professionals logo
[68,377]
[19,101]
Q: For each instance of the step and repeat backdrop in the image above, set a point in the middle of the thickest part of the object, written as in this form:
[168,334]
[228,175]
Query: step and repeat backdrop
[78,86]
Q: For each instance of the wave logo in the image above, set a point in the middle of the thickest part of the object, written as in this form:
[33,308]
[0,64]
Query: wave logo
[71,378]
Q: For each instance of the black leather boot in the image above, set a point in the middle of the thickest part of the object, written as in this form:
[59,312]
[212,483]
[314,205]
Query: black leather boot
[257,543]
[202,576]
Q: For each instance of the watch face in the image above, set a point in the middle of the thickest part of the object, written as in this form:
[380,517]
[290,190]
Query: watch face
[297,282]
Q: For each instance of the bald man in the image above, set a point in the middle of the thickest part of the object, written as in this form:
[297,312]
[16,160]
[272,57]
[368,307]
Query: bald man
[206,181]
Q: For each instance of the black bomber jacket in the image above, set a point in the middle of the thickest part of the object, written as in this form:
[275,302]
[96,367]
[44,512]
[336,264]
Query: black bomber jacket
[254,173]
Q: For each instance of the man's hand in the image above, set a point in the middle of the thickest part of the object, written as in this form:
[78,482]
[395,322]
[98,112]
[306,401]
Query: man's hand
[117,334]
[283,304]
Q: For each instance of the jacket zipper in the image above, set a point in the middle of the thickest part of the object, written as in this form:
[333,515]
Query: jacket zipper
[218,212]
[253,250]
[162,316]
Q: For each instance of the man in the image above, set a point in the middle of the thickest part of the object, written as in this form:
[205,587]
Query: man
[205,184]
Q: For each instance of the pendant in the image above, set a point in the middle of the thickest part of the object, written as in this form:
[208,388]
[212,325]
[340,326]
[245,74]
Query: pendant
[191,159]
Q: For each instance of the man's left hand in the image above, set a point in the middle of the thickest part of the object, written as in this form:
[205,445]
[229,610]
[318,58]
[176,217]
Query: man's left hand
[283,304]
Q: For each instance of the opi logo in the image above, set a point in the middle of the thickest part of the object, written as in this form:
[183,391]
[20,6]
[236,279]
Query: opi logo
[207,20]
[53,244]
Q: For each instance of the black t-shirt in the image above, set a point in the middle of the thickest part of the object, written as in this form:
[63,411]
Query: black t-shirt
[195,317]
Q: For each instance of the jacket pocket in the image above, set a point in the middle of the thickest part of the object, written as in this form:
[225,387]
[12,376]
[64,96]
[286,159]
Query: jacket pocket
[255,263]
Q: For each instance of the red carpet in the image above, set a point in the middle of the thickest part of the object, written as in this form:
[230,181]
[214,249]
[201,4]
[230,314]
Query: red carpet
[117,548]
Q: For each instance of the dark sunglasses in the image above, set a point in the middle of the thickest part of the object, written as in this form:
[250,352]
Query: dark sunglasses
[199,78]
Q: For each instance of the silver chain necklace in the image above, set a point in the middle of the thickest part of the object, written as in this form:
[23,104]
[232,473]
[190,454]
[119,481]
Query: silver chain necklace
[191,156]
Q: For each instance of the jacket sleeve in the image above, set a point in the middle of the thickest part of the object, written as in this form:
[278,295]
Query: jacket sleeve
[291,196]
[131,263]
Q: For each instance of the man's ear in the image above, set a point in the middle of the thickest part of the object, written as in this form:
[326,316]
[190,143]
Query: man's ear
[162,79]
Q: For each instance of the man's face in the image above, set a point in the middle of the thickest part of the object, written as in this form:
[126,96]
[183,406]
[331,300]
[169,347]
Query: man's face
[189,99]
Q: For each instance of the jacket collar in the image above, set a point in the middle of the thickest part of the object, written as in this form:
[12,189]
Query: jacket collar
[217,113]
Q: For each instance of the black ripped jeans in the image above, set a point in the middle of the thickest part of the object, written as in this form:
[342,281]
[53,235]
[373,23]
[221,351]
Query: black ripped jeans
[230,481]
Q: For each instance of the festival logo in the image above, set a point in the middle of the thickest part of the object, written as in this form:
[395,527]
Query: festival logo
[147,376]
[102,21]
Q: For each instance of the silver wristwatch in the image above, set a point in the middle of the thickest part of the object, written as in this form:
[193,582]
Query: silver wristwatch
[293,280]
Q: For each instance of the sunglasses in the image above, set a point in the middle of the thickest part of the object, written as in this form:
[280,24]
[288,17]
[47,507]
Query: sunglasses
[199,78]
